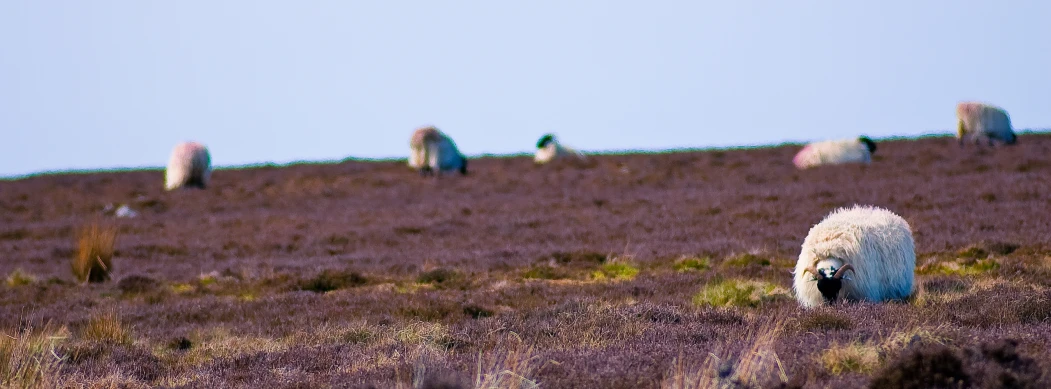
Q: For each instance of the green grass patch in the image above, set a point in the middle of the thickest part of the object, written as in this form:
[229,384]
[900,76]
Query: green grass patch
[961,268]
[544,272]
[745,260]
[615,271]
[20,278]
[737,293]
[692,264]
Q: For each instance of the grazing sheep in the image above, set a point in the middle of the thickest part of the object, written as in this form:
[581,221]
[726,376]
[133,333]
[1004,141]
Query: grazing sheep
[872,242]
[834,152]
[979,120]
[433,151]
[190,165]
[549,149]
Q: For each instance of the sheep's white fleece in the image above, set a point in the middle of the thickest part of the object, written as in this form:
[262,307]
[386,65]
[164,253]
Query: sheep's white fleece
[876,242]
[978,119]
[189,165]
[430,147]
[555,150]
[832,152]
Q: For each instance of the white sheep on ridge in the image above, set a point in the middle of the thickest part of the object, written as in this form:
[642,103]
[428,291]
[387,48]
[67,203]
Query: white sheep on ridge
[834,152]
[432,151]
[872,242]
[190,165]
[549,149]
[978,120]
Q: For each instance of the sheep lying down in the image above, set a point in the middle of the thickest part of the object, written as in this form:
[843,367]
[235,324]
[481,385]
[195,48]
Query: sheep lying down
[549,149]
[863,253]
[835,152]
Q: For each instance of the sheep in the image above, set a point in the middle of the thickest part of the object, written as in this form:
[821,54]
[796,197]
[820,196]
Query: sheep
[873,243]
[834,152]
[190,166]
[977,120]
[549,149]
[433,151]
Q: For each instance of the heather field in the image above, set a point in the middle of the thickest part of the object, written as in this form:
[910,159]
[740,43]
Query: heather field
[649,270]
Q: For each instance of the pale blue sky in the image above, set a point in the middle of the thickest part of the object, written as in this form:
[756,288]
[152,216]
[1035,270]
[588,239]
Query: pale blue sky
[105,84]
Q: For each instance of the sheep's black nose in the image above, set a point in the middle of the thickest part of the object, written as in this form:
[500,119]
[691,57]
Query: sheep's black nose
[829,288]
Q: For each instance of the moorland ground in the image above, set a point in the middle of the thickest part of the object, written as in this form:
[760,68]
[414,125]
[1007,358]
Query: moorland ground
[635,271]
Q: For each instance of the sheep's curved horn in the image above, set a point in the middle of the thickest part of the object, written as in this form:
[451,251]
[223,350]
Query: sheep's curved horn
[813,270]
[843,271]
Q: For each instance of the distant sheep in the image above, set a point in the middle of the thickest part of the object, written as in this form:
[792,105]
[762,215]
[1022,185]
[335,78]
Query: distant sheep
[549,149]
[190,165]
[978,120]
[872,242]
[433,151]
[834,152]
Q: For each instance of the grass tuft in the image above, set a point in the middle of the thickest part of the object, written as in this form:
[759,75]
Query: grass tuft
[745,260]
[94,259]
[544,272]
[20,278]
[615,271]
[512,369]
[851,358]
[28,360]
[107,327]
[692,264]
[964,267]
[330,280]
[737,293]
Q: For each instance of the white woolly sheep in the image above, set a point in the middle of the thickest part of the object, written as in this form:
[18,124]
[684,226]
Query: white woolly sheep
[190,165]
[433,151]
[549,149]
[978,120]
[834,152]
[874,243]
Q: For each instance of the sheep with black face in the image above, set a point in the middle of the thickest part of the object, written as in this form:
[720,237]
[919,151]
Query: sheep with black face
[835,152]
[873,244]
[549,149]
[431,151]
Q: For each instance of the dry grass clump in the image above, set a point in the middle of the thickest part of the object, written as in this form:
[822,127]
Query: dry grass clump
[511,369]
[94,259]
[20,278]
[757,365]
[853,357]
[28,360]
[106,327]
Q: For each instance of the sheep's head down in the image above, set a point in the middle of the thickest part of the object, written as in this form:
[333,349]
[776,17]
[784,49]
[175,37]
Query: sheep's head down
[868,144]
[829,285]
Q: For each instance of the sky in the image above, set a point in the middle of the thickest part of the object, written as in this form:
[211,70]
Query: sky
[116,84]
